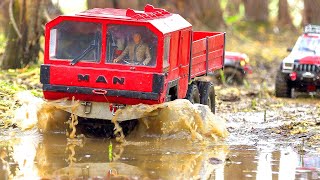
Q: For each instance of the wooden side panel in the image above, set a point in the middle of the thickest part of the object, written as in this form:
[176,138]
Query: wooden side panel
[207,44]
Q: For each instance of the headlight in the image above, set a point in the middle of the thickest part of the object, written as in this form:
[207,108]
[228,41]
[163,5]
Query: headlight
[287,65]
[242,63]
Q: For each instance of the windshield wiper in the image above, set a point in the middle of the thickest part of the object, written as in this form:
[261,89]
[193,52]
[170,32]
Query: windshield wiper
[92,46]
[84,53]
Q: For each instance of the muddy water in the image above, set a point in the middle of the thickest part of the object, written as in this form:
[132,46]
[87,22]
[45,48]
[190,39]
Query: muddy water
[52,156]
[178,150]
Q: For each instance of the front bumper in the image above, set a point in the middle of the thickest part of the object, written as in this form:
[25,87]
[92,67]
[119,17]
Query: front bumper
[106,92]
[308,78]
[99,110]
[305,81]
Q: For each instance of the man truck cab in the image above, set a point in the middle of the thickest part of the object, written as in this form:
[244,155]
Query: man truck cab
[81,52]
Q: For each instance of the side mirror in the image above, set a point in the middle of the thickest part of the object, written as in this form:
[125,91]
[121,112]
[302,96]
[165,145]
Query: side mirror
[289,49]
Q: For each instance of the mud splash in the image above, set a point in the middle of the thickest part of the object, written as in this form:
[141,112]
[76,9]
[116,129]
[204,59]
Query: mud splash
[46,116]
[169,118]
[175,117]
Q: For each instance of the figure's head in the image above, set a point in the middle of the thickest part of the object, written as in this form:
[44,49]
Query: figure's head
[136,38]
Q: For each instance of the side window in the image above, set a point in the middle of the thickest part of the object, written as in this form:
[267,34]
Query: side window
[131,45]
[71,40]
[166,51]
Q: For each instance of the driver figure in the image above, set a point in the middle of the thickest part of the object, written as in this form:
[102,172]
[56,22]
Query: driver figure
[138,51]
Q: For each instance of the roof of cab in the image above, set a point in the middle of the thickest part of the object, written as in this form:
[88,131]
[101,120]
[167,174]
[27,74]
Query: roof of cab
[163,20]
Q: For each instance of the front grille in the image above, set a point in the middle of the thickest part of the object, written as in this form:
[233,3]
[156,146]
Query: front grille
[306,67]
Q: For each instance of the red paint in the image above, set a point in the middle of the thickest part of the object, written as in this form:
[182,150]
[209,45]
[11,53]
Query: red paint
[311,36]
[137,78]
[311,88]
[310,60]
[293,76]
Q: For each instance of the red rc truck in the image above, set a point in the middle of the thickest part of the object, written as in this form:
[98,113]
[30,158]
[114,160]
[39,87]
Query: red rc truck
[112,58]
[300,71]
[236,67]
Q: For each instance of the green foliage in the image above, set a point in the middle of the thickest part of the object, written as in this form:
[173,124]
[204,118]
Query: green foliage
[232,19]
[254,103]
[222,76]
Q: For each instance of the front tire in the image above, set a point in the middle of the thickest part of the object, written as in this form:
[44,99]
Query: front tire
[103,128]
[281,88]
[207,95]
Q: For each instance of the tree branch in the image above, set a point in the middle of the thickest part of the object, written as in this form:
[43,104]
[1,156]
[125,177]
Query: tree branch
[14,24]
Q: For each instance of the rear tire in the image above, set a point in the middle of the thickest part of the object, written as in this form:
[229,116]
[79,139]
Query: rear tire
[233,76]
[281,88]
[193,94]
[103,128]
[207,95]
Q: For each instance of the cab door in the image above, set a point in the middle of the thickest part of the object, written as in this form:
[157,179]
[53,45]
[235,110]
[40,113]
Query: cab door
[183,62]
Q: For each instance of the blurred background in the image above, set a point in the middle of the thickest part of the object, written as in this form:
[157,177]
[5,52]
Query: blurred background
[263,29]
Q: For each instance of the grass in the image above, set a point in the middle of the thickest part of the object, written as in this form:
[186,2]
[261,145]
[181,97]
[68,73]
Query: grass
[12,82]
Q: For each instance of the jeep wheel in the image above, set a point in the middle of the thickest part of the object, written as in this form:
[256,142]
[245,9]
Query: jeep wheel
[207,95]
[193,94]
[233,76]
[103,128]
[281,87]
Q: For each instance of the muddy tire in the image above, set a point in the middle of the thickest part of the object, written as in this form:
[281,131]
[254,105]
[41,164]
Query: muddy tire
[103,128]
[207,95]
[281,88]
[193,94]
[233,76]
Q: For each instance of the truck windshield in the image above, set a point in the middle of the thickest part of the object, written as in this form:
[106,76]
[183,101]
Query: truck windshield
[308,44]
[131,45]
[76,41]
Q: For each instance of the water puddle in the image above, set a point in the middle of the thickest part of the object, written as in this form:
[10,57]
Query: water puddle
[175,140]
[53,157]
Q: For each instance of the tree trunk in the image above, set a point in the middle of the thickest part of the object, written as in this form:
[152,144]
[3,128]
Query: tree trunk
[256,10]
[23,33]
[311,13]
[233,7]
[101,4]
[207,11]
[119,4]
[4,15]
[284,18]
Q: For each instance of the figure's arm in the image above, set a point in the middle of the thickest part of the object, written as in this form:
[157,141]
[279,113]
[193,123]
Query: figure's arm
[148,56]
[124,52]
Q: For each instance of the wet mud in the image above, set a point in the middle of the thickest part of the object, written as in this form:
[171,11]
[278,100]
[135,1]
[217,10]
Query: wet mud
[253,135]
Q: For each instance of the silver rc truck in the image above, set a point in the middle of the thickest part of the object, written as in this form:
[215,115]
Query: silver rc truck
[300,71]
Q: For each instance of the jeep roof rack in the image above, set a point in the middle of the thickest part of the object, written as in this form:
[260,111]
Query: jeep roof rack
[315,29]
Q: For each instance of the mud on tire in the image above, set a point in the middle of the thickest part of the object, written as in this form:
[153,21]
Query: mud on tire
[207,95]
[193,94]
[103,128]
[281,87]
